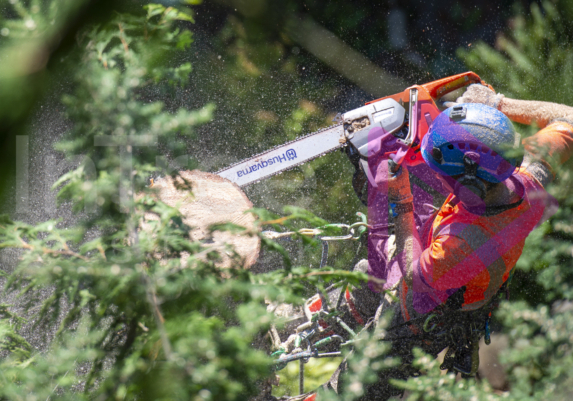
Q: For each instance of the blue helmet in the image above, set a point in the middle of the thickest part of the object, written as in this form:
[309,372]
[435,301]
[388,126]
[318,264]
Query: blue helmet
[471,139]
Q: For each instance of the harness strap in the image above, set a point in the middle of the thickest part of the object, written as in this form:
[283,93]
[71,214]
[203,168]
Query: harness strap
[493,210]
[460,331]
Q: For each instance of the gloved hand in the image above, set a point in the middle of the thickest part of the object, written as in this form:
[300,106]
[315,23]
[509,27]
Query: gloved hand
[396,178]
[477,93]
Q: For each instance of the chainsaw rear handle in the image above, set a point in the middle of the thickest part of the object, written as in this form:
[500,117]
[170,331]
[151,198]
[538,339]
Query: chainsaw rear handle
[436,89]
[443,86]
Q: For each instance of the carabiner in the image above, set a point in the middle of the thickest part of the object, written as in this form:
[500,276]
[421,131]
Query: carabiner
[338,237]
[357,229]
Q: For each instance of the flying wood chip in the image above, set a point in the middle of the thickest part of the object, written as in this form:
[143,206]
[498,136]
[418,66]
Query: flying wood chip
[212,199]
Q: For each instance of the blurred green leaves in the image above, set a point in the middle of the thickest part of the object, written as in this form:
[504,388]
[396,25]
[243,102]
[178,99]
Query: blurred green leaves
[26,42]
[141,311]
[533,61]
[138,312]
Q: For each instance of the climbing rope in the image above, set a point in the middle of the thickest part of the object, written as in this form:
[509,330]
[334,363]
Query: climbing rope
[317,332]
[350,232]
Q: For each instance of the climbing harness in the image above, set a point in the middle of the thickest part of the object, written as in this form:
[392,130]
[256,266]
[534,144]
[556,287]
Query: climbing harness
[332,321]
[458,330]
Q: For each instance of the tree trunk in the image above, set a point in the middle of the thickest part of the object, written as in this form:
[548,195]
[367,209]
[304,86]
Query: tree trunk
[212,199]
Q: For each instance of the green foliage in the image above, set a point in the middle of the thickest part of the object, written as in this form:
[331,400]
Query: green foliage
[540,354]
[533,61]
[539,360]
[364,361]
[367,359]
[141,310]
[28,31]
[316,371]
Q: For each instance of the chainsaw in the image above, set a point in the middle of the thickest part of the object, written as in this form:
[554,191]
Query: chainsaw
[383,128]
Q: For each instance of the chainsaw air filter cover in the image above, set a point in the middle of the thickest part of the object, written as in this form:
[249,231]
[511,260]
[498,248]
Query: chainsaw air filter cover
[376,122]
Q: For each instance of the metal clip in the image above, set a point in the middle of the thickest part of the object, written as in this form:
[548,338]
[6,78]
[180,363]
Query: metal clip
[338,237]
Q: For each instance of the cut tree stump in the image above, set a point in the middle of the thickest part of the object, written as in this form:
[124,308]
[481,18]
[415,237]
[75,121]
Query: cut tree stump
[212,199]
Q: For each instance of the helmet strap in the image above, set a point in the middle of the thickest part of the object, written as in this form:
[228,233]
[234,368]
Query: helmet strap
[469,189]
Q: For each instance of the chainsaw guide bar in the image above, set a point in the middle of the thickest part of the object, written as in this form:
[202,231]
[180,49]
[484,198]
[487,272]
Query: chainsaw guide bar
[285,157]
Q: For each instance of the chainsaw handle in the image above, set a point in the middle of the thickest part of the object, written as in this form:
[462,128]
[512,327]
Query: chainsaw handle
[436,89]
[440,87]
[423,110]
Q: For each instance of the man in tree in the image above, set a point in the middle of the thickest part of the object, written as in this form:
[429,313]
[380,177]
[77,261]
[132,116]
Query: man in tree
[453,267]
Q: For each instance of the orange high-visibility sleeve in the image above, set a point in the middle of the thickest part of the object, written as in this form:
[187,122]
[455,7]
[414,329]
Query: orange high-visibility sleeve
[553,144]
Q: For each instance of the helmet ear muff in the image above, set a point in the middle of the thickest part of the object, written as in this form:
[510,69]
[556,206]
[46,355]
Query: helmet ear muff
[469,189]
